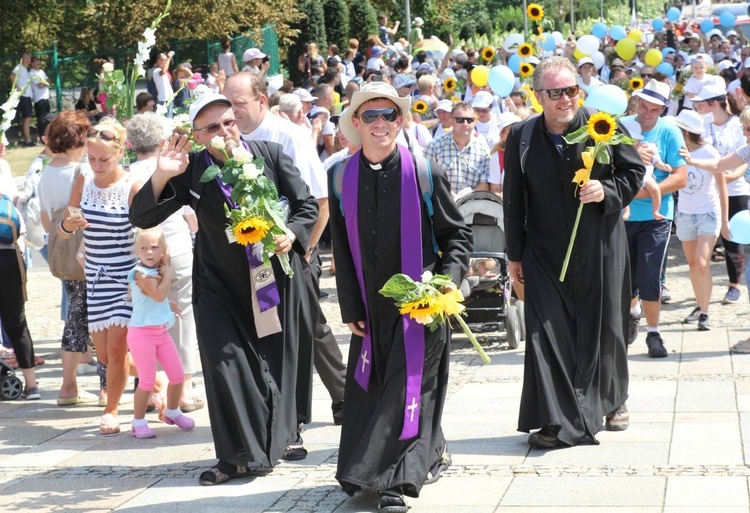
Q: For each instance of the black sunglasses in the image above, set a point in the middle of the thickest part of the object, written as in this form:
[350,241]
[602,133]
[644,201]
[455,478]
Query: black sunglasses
[556,94]
[104,135]
[369,116]
[647,75]
[461,120]
[215,127]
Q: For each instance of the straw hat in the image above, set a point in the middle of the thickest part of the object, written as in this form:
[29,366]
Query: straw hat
[371,91]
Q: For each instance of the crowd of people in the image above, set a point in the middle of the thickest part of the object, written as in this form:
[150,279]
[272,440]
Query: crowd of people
[160,278]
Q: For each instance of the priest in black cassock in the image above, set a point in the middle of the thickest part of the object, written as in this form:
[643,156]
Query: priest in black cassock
[248,333]
[391,439]
[576,368]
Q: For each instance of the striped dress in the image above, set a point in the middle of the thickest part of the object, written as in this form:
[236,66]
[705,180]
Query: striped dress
[109,253]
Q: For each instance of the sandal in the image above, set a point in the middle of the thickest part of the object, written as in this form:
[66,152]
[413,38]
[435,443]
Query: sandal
[741,347]
[392,503]
[223,472]
[191,406]
[109,425]
[444,463]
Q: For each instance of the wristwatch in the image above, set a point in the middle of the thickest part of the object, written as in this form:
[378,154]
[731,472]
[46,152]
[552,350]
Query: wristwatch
[310,249]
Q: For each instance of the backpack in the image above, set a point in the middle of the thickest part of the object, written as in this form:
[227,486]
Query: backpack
[151,88]
[424,179]
[10,221]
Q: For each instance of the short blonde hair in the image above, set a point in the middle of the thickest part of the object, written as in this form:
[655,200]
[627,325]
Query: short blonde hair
[110,132]
[156,230]
[426,83]
[745,116]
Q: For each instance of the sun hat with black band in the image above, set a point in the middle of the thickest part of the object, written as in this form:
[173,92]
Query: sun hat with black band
[204,101]
[655,92]
[370,91]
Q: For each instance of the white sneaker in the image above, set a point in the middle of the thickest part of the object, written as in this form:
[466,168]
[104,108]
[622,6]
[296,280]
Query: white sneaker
[86,368]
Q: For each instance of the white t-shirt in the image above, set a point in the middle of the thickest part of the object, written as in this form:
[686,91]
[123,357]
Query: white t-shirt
[38,93]
[56,184]
[296,142]
[163,86]
[22,77]
[175,228]
[490,130]
[694,86]
[700,196]
[7,182]
[374,63]
[497,171]
[727,138]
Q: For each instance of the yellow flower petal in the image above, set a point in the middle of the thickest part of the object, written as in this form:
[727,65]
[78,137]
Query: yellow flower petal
[251,230]
[601,127]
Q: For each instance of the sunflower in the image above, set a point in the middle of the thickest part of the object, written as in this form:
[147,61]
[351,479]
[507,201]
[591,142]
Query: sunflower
[488,53]
[420,107]
[423,310]
[525,50]
[636,83]
[449,85]
[251,230]
[455,99]
[450,303]
[535,12]
[525,69]
[601,127]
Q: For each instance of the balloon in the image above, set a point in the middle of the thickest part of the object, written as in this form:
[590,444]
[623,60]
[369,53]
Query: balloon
[598,58]
[514,61]
[625,49]
[727,19]
[549,42]
[653,57]
[578,54]
[657,24]
[609,98]
[600,30]
[512,41]
[501,80]
[559,39]
[480,75]
[665,68]
[667,51]
[617,32]
[636,35]
[707,25]
[739,227]
[673,14]
[587,44]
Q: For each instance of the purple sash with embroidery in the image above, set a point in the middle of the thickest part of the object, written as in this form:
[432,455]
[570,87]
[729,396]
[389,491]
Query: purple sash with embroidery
[411,265]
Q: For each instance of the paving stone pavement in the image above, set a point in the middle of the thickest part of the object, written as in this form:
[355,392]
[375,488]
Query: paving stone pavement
[686,449]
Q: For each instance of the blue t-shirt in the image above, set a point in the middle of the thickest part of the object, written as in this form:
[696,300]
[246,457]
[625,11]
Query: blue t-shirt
[147,311]
[668,139]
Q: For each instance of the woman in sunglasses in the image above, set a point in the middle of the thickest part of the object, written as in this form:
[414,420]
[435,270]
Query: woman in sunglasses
[99,206]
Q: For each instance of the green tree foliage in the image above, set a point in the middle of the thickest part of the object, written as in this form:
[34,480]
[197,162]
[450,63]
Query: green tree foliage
[363,20]
[337,22]
[311,29]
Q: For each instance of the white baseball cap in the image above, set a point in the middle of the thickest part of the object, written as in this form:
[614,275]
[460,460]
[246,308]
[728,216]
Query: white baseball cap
[444,105]
[304,95]
[252,53]
[204,101]
[482,99]
[585,60]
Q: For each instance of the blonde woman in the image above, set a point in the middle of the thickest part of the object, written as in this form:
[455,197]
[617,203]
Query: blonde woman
[99,206]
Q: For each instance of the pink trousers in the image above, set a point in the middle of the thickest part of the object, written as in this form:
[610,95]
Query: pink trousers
[151,344]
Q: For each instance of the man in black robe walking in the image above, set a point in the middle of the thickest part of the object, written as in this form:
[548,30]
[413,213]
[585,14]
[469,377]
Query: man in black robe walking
[370,233]
[249,356]
[576,369]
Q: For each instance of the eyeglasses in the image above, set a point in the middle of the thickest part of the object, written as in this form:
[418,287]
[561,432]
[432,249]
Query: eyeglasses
[556,94]
[215,127]
[369,116]
[103,134]
[647,75]
[461,120]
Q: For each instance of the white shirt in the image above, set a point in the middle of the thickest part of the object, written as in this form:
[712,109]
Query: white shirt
[38,93]
[22,77]
[163,86]
[296,142]
[7,182]
[490,130]
[699,196]
[727,138]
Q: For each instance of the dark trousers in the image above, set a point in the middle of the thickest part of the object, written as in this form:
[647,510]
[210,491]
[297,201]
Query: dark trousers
[12,313]
[40,109]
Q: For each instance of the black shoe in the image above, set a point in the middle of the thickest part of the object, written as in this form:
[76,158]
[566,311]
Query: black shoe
[338,412]
[655,345]
[545,438]
[633,329]
[618,420]
[693,317]
[29,144]
[392,502]
[324,294]
[703,322]
[296,451]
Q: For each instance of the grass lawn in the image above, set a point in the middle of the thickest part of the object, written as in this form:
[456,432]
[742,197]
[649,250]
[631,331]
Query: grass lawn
[19,158]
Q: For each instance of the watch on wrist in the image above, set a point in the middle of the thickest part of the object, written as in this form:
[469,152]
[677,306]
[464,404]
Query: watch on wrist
[310,249]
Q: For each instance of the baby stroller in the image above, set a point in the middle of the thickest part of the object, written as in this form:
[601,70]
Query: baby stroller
[10,385]
[487,287]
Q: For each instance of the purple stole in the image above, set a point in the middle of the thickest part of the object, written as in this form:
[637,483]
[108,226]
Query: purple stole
[411,265]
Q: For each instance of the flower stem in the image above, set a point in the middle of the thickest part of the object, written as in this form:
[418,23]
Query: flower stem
[472,338]
[285,265]
[570,244]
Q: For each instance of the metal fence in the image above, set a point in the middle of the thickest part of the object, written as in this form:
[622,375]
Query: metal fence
[69,74]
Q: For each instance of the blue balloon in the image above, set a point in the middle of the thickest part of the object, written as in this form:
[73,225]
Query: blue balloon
[617,32]
[549,42]
[666,68]
[600,30]
[739,227]
[673,14]
[502,80]
[514,62]
[727,19]
[667,51]
[707,25]
[657,24]
[609,98]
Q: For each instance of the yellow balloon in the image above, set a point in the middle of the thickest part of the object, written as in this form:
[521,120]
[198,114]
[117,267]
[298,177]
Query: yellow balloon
[480,75]
[625,49]
[578,54]
[635,35]
[653,57]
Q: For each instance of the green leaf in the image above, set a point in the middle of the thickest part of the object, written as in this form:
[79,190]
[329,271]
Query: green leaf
[602,157]
[209,174]
[578,136]
[277,219]
[398,286]
[441,280]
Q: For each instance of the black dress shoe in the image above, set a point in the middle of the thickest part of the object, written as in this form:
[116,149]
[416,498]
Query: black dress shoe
[338,412]
[296,451]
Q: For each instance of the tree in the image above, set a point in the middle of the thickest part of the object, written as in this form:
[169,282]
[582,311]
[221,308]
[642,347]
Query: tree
[337,22]
[363,21]
[311,29]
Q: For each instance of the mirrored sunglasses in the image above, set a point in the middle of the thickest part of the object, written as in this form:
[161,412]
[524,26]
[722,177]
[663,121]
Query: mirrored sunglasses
[369,116]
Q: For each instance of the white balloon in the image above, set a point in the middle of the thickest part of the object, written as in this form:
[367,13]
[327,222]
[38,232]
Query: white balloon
[512,41]
[598,58]
[588,44]
[559,39]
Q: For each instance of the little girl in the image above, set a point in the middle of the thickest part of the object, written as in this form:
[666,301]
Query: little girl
[148,339]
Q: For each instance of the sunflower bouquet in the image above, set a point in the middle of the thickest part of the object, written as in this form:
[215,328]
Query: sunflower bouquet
[602,128]
[425,302]
[420,107]
[260,214]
